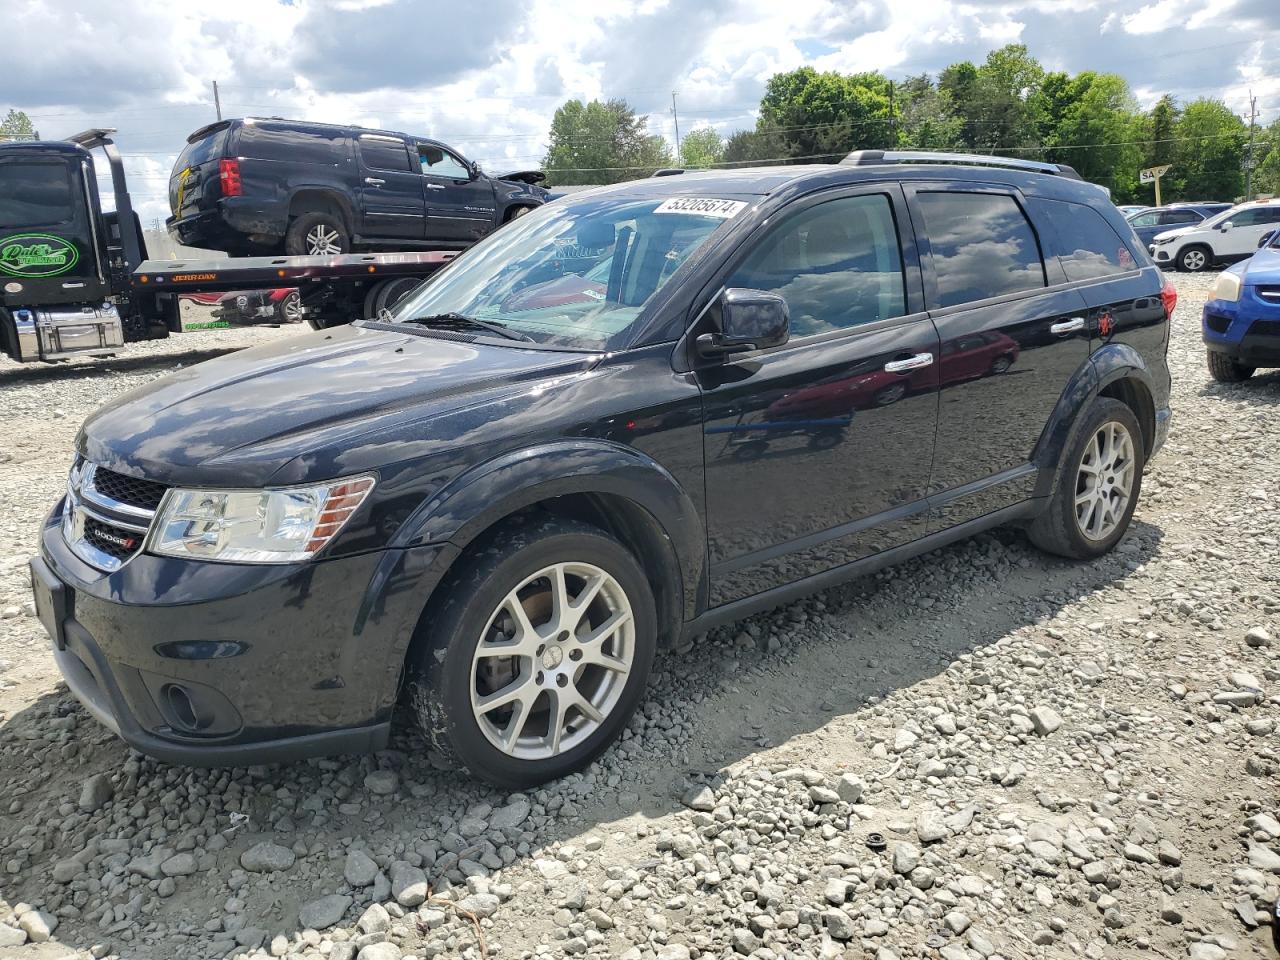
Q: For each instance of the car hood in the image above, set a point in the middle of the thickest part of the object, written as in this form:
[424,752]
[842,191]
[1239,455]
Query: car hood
[1263,267]
[236,420]
[1175,232]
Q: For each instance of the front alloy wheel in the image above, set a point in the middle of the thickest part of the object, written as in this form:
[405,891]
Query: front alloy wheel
[553,661]
[536,654]
[1193,259]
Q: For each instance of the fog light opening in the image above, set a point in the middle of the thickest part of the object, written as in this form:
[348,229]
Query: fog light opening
[182,709]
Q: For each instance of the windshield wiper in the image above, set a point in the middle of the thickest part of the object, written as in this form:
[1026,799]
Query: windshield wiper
[458,321]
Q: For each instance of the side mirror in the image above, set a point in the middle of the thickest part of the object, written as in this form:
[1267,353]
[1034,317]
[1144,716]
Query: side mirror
[749,320]
[1225,227]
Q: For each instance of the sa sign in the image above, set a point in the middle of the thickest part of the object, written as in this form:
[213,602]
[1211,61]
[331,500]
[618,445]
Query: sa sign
[1152,174]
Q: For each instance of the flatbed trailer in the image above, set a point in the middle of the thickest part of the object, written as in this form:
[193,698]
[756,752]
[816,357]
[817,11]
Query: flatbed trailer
[75,279]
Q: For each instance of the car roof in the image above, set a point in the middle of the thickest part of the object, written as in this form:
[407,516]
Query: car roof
[44,146]
[802,178]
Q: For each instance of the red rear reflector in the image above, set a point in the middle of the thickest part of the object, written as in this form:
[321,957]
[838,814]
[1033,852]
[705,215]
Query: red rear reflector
[229,174]
[1169,295]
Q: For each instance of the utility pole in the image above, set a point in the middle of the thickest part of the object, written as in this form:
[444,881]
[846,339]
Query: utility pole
[893,123]
[217,101]
[675,114]
[1248,163]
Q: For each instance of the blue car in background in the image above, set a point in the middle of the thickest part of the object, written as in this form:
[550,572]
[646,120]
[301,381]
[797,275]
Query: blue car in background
[1241,320]
[1147,223]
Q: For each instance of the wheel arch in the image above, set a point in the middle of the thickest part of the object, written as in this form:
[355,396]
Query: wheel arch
[611,486]
[1117,371]
[321,200]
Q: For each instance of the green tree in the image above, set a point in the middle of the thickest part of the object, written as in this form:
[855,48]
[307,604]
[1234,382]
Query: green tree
[602,142]
[1266,172]
[822,116]
[1091,122]
[925,116]
[701,148]
[18,126]
[747,147]
[1209,153]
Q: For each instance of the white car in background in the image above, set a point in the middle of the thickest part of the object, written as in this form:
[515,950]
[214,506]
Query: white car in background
[1224,238]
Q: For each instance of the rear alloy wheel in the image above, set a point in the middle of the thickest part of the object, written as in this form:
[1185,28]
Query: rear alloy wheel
[1226,370]
[1193,259]
[538,654]
[317,235]
[1097,487]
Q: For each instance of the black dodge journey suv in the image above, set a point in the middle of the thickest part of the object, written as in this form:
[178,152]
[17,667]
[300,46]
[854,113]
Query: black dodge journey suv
[634,414]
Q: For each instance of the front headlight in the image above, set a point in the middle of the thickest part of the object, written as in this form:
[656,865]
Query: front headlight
[283,525]
[1226,287]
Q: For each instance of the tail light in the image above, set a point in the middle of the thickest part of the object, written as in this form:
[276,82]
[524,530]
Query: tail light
[1168,296]
[229,174]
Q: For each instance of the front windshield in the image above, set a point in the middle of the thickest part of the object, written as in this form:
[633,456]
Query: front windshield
[1222,217]
[575,274]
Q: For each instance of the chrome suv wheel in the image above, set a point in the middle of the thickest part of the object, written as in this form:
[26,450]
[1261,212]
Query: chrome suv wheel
[536,653]
[1098,484]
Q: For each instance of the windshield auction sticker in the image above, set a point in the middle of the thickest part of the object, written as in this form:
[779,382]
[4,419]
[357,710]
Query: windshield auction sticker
[702,206]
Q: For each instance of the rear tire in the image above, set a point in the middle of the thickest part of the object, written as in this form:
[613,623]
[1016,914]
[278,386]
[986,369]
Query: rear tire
[317,235]
[1226,370]
[575,673]
[1098,485]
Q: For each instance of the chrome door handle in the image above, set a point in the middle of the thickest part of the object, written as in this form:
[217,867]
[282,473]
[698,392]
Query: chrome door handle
[1068,326]
[435,186]
[911,363]
[374,181]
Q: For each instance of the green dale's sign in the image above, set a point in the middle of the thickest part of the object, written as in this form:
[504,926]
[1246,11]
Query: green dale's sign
[36,255]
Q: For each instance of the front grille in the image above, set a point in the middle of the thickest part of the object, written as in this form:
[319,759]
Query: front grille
[1265,328]
[1270,294]
[112,540]
[136,492]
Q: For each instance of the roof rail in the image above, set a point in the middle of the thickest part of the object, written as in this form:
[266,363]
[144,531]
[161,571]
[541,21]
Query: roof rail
[864,158]
[668,172]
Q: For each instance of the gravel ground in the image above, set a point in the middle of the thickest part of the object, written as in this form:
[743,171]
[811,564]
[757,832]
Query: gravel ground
[981,753]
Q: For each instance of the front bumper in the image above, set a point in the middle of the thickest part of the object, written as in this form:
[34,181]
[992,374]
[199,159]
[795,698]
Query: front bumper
[1247,330]
[214,664]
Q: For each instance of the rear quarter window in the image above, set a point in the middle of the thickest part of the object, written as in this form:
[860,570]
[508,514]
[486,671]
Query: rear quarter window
[267,142]
[212,146]
[982,246]
[1087,246]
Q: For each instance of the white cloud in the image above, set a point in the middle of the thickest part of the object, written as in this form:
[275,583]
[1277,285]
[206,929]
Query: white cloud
[488,75]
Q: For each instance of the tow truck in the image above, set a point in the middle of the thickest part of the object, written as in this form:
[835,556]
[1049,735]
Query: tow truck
[75,280]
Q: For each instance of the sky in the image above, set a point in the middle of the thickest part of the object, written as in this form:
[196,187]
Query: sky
[487,75]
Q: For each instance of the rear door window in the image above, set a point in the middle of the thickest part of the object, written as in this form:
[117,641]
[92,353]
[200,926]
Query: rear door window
[383,153]
[982,246]
[1087,246]
[1180,216]
[35,194]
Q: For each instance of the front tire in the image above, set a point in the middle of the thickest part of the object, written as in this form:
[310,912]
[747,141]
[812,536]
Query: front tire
[289,309]
[1195,259]
[1226,370]
[538,655]
[1098,485]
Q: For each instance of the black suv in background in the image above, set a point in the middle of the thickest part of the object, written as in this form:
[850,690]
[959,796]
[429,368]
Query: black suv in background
[494,505]
[266,186]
